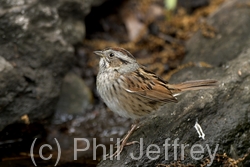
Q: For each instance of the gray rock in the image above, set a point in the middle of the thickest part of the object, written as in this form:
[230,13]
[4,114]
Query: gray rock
[223,113]
[4,65]
[75,98]
[231,23]
[36,51]
[190,5]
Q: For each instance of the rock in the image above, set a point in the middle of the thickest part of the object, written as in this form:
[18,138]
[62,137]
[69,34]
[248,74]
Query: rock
[4,65]
[75,98]
[191,5]
[36,51]
[231,23]
[223,113]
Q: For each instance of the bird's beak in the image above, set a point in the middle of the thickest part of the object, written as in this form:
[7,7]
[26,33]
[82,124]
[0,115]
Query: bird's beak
[99,53]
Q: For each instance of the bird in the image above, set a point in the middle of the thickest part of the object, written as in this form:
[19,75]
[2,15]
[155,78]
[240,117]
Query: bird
[132,91]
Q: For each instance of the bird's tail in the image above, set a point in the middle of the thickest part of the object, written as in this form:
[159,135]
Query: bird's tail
[192,85]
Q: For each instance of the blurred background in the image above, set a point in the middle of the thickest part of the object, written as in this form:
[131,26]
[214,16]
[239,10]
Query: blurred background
[48,69]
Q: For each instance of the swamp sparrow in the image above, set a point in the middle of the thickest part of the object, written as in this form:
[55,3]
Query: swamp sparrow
[131,91]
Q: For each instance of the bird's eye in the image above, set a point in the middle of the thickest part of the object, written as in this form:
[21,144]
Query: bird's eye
[111,55]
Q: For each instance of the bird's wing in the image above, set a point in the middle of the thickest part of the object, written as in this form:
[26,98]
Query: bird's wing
[148,85]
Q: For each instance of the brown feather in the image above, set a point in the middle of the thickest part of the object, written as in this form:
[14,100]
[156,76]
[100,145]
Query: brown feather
[147,84]
[150,86]
[192,85]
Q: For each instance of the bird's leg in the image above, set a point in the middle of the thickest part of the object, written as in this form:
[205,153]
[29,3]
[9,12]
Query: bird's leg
[125,139]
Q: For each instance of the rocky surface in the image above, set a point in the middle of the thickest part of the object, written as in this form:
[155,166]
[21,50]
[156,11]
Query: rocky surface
[223,113]
[231,23]
[36,51]
[190,5]
[75,97]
